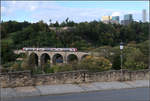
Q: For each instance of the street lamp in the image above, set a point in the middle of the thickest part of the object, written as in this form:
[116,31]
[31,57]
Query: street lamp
[121,45]
[121,56]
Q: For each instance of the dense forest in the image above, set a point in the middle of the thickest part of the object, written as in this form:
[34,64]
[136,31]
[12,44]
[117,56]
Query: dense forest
[86,36]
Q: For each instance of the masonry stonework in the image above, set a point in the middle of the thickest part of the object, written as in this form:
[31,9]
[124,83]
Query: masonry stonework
[65,55]
[20,79]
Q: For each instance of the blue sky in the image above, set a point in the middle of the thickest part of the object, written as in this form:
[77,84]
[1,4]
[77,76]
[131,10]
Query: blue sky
[77,11]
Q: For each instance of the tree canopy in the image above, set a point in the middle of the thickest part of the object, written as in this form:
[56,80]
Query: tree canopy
[84,36]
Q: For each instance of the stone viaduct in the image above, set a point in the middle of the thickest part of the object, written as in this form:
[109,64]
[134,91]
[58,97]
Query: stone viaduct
[42,56]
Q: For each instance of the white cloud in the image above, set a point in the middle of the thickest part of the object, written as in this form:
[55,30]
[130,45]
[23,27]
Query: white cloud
[32,8]
[116,14]
[3,9]
[13,2]
[75,14]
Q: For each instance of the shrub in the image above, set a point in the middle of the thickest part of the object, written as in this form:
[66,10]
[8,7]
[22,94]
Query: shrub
[95,64]
[16,66]
[37,71]
[55,68]
[131,58]
[25,65]
[115,58]
[62,68]
[134,59]
[47,68]
[7,65]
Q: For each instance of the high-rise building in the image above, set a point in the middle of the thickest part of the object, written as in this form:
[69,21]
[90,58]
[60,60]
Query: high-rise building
[115,19]
[106,19]
[144,15]
[127,19]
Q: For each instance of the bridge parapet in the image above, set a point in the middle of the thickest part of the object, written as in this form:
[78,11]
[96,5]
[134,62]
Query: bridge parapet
[19,51]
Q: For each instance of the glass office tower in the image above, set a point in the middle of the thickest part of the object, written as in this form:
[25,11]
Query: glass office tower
[128,17]
[115,19]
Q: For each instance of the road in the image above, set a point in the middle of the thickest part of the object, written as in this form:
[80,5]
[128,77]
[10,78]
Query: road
[138,94]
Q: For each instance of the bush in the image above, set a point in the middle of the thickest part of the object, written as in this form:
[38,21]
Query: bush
[95,64]
[115,58]
[134,59]
[8,64]
[16,66]
[37,71]
[47,68]
[131,58]
[62,68]
[25,65]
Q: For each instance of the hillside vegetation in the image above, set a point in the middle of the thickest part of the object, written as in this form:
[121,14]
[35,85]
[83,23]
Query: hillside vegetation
[93,36]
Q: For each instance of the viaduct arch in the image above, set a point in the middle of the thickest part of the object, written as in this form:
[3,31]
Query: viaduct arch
[42,57]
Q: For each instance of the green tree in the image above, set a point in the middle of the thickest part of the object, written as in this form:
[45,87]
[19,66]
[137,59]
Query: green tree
[133,59]
[115,58]
[7,54]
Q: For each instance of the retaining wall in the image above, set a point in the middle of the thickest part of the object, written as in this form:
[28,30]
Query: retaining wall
[24,78]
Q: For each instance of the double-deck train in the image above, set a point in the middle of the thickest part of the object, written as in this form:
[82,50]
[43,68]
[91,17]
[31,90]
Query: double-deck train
[50,49]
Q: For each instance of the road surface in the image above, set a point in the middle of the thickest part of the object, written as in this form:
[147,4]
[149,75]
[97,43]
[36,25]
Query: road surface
[137,94]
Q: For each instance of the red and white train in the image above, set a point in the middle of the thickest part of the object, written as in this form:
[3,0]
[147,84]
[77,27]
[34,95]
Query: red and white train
[50,49]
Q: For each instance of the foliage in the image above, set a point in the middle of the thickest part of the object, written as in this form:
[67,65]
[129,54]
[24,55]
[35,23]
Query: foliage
[47,68]
[85,36]
[144,48]
[95,63]
[103,51]
[133,59]
[7,54]
[12,26]
[115,58]
[37,71]
[29,63]
[82,36]
[16,66]
[8,65]
[61,68]
[25,64]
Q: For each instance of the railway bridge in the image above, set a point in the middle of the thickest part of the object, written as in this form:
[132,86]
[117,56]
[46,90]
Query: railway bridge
[42,57]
